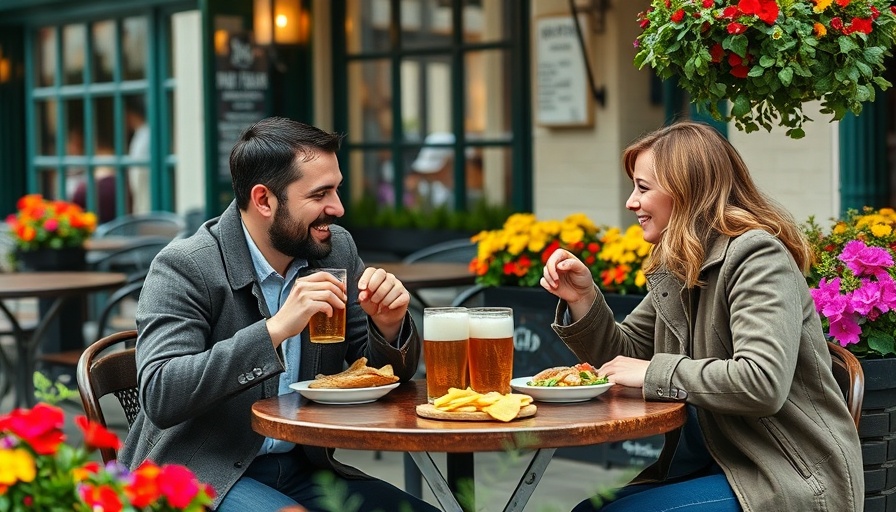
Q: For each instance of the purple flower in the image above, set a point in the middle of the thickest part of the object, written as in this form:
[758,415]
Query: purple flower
[845,330]
[866,261]
[826,292]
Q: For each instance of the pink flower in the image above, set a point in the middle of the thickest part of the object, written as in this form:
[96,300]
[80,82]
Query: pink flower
[866,261]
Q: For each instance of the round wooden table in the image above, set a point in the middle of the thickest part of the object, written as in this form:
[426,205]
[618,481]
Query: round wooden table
[55,285]
[391,424]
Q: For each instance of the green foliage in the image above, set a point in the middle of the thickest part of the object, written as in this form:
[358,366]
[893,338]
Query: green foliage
[769,62]
[51,392]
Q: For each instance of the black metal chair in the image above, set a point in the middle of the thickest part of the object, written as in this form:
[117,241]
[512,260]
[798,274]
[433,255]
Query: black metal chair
[109,366]
[162,224]
[461,250]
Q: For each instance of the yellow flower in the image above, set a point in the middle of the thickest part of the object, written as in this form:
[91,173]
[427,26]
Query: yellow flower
[821,5]
[16,466]
[881,230]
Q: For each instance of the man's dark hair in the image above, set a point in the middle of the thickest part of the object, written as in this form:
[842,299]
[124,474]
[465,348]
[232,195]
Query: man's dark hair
[267,154]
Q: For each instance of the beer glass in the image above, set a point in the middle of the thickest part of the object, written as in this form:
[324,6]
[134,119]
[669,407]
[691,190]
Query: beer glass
[329,329]
[446,333]
[491,349]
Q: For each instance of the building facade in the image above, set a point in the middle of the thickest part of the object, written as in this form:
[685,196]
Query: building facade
[447,105]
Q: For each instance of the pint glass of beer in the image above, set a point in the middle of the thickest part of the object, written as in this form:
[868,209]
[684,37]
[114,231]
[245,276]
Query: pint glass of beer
[491,349]
[329,329]
[446,333]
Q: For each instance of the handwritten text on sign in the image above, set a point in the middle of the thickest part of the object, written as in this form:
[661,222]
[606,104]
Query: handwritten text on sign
[562,81]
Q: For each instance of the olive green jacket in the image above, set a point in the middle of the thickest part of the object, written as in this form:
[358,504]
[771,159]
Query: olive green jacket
[751,356]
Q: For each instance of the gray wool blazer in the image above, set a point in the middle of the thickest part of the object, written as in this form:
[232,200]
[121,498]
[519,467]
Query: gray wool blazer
[204,355]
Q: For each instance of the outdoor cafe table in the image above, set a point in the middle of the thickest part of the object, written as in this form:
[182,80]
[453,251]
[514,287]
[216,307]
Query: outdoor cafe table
[58,286]
[391,424]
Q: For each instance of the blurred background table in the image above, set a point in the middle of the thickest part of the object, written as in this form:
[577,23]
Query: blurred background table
[57,286]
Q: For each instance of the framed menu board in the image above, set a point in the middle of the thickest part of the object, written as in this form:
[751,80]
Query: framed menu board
[563,95]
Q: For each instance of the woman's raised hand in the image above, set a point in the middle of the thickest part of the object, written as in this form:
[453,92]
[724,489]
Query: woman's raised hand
[568,278]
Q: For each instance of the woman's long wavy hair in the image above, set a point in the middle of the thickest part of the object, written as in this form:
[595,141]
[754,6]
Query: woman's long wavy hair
[712,193]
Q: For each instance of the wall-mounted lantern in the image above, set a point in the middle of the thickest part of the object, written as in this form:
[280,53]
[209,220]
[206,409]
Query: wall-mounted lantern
[280,22]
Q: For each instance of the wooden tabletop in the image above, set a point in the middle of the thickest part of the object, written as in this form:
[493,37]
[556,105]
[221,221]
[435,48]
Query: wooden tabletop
[391,423]
[56,284]
[415,276]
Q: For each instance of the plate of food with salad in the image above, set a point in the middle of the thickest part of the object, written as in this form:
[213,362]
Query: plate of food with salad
[578,383]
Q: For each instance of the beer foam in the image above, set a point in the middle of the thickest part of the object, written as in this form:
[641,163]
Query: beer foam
[446,327]
[498,327]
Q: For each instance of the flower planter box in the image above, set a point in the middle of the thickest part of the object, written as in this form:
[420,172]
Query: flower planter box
[537,346]
[877,432]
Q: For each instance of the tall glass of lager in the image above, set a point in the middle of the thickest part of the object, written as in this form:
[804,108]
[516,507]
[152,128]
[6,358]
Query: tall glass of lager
[446,334]
[491,349]
[329,329]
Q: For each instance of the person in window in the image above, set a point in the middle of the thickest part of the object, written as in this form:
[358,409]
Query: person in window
[729,328]
[222,321]
[105,182]
[432,177]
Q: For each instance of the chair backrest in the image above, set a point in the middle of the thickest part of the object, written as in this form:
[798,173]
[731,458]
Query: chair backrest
[850,377]
[111,308]
[133,259]
[106,369]
[166,224]
[461,250]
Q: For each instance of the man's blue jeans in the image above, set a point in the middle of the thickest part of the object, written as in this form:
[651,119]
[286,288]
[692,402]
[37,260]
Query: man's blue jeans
[707,492]
[286,479]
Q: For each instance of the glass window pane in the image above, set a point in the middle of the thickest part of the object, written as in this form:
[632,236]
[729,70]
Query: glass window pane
[45,56]
[74,38]
[426,23]
[430,177]
[137,139]
[74,127]
[367,25]
[47,179]
[373,173]
[46,127]
[497,177]
[486,20]
[103,51]
[438,91]
[104,126]
[134,48]
[370,96]
[104,196]
[487,94]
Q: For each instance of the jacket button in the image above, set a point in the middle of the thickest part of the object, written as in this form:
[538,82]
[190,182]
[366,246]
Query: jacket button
[665,294]
[241,379]
[659,392]
[238,464]
[257,372]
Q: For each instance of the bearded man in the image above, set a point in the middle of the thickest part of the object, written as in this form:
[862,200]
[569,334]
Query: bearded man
[222,322]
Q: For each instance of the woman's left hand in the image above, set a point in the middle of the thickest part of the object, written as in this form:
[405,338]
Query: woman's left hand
[625,371]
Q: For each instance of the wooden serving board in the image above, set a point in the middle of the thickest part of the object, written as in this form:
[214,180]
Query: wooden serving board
[430,411]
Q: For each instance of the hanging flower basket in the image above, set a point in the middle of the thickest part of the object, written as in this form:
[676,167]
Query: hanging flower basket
[769,57]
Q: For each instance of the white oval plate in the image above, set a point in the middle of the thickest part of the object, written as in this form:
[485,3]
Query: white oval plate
[558,394]
[342,396]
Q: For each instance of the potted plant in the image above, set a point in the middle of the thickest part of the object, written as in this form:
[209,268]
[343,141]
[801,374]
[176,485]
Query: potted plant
[50,234]
[39,471]
[768,57]
[852,283]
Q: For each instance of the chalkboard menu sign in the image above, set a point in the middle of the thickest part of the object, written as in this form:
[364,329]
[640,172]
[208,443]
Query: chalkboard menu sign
[243,89]
[563,94]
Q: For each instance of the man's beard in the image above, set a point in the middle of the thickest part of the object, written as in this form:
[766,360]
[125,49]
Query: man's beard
[293,238]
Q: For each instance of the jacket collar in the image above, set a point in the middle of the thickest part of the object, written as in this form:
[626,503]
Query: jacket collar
[232,240]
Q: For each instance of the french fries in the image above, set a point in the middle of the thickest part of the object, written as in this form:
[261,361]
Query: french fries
[498,406]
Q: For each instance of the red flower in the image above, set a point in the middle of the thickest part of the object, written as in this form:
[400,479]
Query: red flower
[101,497]
[144,489]
[836,23]
[766,10]
[178,484]
[708,3]
[740,71]
[590,260]
[736,28]
[874,13]
[677,16]
[668,3]
[96,436]
[862,25]
[40,427]
[730,12]
[717,52]
[593,247]
[644,23]
[843,3]
[553,246]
